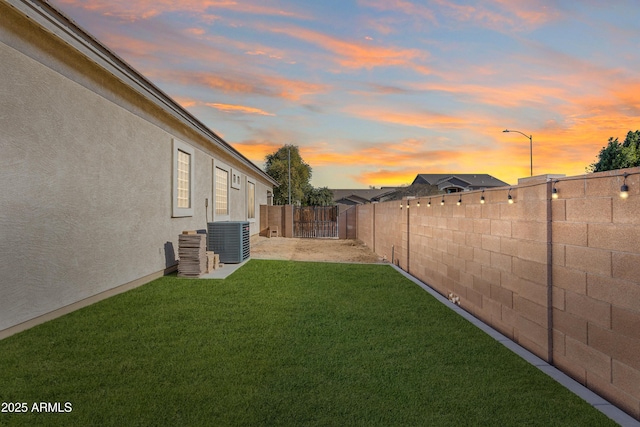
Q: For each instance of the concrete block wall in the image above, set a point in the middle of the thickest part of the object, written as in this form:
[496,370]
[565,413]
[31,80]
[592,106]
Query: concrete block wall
[279,216]
[347,222]
[389,224]
[560,277]
[493,256]
[287,221]
[271,216]
[365,230]
[596,284]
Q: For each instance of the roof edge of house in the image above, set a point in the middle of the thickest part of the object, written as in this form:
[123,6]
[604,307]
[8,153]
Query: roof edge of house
[60,25]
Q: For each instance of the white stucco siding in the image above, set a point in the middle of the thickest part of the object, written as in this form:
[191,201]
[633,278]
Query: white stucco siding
[87,182]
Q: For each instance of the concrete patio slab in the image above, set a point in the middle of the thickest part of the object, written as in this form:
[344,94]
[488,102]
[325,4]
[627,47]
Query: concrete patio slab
[224,272]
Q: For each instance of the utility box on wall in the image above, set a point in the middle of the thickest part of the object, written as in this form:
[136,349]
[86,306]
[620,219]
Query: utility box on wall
[229,239]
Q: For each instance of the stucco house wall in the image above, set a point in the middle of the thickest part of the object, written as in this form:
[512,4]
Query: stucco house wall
[87,148]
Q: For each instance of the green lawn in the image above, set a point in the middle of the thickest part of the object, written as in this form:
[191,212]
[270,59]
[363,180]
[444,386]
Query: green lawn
[277,343]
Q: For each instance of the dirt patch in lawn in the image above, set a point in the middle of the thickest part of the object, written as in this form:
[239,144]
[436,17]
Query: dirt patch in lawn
[323,250]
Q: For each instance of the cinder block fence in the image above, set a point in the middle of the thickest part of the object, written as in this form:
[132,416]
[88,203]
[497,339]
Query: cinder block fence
[558,275]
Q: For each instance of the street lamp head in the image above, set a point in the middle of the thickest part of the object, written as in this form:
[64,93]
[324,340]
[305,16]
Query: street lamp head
[530,137]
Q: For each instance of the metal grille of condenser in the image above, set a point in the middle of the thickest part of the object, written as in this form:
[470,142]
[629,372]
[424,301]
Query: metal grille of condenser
[229,239]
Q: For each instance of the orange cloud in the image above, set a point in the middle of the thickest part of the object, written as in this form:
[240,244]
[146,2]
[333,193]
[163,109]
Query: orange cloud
[569,140]
[376,156]
[356,55]
[397,163]
[507,158]
[479,160]
[557,150]
[186,102]
[564,150]
[385,177]
[405,158]
[422,119]
[512,95]
[228,108]
[318,157]
[256,150]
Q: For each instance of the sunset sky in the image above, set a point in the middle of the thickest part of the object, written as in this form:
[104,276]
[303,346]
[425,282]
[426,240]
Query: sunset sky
[376,91]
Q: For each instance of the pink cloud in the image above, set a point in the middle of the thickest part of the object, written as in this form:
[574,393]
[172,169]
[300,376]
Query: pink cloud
[133,10]
[531,13]
[357,55]
[242,109]
[496,15]
[277,87]
[406,7]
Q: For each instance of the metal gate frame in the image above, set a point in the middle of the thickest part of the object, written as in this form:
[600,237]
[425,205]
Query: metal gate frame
[315,222]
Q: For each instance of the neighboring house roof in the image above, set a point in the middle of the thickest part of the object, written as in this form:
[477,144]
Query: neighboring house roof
[414,190]
[459,181]
[61,26]
[361,195]
[352,200]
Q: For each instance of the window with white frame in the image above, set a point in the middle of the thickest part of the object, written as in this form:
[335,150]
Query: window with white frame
[183,172]
[251,200]
[222,191]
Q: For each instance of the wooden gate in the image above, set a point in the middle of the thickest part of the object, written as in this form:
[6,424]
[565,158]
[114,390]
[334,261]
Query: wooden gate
[315,221]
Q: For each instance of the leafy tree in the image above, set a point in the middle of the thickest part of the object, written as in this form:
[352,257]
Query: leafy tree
[618,156]
[631,148]
[302,193]
[318,197]
[277,167]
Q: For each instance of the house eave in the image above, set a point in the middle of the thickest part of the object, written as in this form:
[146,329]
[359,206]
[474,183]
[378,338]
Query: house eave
[57,23]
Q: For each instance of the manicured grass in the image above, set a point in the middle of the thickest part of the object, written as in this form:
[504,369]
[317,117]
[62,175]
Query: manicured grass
[278,343]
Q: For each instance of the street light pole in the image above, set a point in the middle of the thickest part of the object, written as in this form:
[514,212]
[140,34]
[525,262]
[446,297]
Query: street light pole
[530,145]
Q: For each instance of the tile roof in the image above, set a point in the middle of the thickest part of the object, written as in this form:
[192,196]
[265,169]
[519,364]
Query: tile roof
[476,180]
